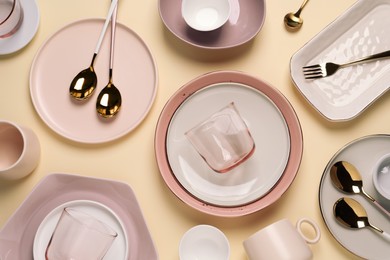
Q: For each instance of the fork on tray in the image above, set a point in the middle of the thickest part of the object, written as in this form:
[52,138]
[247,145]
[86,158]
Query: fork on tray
[328,68]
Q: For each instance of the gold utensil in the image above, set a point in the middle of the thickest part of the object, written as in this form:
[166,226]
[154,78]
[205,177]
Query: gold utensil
[109,99]
[83,85]
[329,68]
[292,21]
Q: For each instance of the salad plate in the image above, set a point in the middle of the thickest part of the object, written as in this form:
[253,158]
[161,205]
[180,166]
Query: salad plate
[361,31]
[118,249]
[27,30]
[255,184]
[70,50]
[245,22]
[18,234]
[363,153]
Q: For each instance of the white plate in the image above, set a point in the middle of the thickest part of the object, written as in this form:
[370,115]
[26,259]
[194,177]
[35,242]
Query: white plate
[69,51]
[26,31]
[118,249]
[362,30]
[363,153]
[252,179]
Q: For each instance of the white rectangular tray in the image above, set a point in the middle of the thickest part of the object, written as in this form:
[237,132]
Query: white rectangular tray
[362,30]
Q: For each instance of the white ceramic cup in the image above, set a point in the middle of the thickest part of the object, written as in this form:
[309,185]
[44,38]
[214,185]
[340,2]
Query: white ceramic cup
[204,242]
[205,15]
[381,176]
[282,241]
[223,140]
[19,151]
[11,17]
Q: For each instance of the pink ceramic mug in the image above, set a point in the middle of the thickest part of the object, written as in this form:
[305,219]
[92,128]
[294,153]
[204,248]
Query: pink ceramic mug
[281,240]
[223,140]
[19,151]
[11,17]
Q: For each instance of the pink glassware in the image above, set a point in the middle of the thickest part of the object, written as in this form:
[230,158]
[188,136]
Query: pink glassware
[223,140]
[79,236]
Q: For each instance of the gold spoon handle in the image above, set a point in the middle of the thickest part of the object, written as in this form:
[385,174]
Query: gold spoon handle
[376,203]
[301,8]
[104,29]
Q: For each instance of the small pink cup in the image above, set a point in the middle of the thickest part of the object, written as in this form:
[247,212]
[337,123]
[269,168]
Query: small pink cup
[223,140]
[79,236]
[11,17]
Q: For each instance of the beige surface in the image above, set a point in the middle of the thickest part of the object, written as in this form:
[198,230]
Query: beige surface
[131,159]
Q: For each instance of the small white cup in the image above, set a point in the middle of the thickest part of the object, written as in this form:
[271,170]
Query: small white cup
[19,151]
[204,242]
[223,140]
[205,15]
[381,176]
[11,17]
[282,241]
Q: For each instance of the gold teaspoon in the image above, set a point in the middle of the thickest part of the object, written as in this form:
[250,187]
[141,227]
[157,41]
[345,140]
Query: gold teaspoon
[109,100]
[292,21]
[83,85]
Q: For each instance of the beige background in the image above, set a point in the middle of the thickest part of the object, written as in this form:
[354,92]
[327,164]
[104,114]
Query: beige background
[132,160]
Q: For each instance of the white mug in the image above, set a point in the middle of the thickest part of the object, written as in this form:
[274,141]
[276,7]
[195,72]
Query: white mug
[19,151]
[282,241]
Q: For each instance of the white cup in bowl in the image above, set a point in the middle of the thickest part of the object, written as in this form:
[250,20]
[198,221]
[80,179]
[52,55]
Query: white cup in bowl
[205,15]
[19,151]
[281,240]
[381,176]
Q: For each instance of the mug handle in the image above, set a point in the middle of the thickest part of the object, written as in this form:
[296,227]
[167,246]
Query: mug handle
[315,227]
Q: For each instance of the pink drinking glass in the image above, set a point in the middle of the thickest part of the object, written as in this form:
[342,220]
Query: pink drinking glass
[79,236]
[11,17]
[223,140]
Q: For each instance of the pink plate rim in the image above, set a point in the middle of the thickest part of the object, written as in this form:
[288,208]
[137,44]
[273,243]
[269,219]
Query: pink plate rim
[294,128]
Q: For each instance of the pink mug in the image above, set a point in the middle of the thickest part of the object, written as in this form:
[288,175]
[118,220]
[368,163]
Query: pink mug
[282,241]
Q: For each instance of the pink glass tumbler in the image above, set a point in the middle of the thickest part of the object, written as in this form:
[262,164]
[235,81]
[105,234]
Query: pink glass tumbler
[79,236]
[11,17]
[223,140]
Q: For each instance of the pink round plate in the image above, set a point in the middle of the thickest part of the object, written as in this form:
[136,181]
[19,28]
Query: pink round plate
[246,19]
[174,157]
[69,51]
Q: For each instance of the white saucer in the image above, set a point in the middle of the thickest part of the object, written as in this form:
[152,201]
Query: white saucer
[119,248]
[252,179]
[26,31]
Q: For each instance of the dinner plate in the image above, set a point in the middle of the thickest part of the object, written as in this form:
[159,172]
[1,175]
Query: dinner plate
[26,31]
[247,188]
[17,235]
[246,20]
[252,179]
[363,153]
[362,30]
[70,50]
[118,249]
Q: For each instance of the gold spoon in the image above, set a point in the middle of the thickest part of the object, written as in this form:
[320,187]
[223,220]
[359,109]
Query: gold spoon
[109,100]
[347,178]
[292,20]
[83,85]
[351,214]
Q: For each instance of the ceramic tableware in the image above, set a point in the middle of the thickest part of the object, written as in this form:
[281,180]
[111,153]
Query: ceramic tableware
[59,189]
[205,15]
[245,22]
[11,17]
[363,153]
[49,90]
[381,176]
[26,31]
[204,242]
[263,178]
[361,31]
[19,150]
[281,240]
[223,140]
